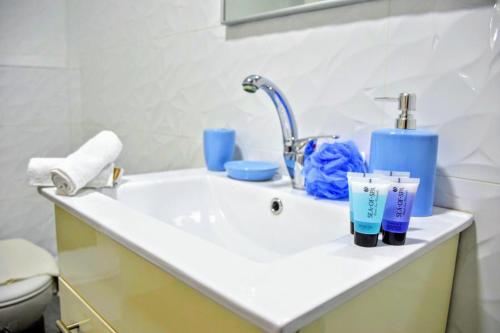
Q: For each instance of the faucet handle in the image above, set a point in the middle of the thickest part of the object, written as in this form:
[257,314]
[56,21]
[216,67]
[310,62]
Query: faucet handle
[301,143]
[297,152]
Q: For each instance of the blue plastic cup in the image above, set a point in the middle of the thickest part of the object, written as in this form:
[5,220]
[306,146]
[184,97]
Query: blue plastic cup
[218,147]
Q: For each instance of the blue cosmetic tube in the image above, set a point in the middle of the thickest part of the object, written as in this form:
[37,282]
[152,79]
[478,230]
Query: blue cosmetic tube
[369,196]
[389,174]
[351,175]
[398,209]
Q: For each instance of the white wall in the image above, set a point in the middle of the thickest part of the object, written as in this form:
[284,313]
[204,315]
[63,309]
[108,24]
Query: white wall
[159,71]
[39,110]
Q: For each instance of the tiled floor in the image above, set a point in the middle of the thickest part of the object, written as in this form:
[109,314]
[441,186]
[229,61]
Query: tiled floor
[51,314]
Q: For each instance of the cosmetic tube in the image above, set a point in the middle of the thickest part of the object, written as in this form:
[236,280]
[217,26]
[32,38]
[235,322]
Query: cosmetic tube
[351,175]
[398,209]
[369,196]
[392,176]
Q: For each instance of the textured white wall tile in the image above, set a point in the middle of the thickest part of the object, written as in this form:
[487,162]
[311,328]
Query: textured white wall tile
[110,23]
[197,82]
[34,96]
[39,110]
[33,33]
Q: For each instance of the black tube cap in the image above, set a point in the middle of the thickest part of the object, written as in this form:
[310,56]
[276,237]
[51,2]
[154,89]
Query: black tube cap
[393,238]
[365,240]
[352,228]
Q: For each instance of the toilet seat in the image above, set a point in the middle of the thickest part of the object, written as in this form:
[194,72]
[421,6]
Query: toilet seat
[22,290]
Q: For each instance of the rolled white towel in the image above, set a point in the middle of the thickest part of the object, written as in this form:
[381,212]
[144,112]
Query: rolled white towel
[39,170]
[79,168]
[39,173]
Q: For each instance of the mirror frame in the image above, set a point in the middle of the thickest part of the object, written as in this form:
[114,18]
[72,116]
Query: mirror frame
[285,11]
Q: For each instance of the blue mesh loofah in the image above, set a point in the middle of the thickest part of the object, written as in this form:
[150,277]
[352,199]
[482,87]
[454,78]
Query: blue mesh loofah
[326,169]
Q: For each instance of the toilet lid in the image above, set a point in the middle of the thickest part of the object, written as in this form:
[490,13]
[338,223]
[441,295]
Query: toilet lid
[23,289]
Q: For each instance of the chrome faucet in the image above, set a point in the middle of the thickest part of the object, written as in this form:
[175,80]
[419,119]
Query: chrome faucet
[294,149]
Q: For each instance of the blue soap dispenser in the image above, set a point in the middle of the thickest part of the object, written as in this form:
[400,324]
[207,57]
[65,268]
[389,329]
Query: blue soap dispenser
[406,148]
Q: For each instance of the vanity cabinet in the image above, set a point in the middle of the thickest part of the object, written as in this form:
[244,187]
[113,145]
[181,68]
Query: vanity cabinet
[107,287]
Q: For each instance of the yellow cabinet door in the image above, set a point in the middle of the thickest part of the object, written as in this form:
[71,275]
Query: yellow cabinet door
[130,293]
[76,315]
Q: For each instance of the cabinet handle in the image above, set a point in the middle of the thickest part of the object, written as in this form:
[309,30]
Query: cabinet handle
[63,328]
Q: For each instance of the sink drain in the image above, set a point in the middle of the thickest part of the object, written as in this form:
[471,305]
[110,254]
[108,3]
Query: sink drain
[276,206]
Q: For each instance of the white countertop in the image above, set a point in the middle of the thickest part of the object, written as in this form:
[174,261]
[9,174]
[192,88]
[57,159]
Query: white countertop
[278,296]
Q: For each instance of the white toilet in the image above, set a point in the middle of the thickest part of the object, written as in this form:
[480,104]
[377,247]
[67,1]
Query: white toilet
[23,301]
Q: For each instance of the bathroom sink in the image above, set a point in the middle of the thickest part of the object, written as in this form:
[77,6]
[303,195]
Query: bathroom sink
[256,221]
[271,254]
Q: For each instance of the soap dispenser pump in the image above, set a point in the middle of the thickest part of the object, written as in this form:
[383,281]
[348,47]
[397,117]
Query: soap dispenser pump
[407,103]
[406,148]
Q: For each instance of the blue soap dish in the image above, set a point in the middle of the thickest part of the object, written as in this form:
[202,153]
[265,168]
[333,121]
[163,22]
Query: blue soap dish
[251,170]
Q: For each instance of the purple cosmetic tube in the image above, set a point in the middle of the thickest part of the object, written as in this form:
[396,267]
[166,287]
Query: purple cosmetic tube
[398,209]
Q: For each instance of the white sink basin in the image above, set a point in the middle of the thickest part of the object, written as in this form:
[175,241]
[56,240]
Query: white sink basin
[219,236]
[236,215]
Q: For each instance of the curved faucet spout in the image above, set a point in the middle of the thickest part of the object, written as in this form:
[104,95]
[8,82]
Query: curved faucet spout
[294,149]
[252,83]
